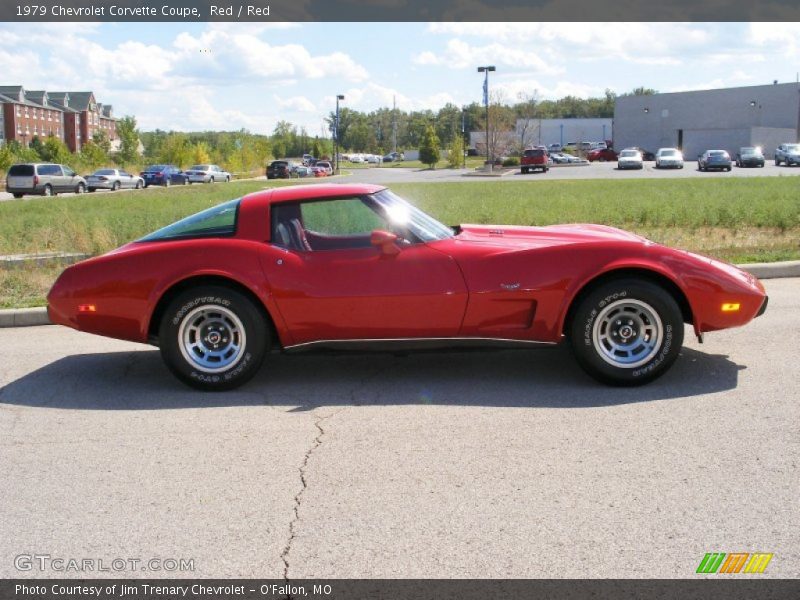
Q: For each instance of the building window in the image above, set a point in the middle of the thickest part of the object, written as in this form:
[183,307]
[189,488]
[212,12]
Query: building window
[18,112]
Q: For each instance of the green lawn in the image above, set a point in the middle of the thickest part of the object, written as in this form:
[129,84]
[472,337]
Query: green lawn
[736,219]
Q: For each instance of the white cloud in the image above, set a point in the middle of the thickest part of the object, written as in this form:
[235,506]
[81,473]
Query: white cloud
[459,54]
[296,103]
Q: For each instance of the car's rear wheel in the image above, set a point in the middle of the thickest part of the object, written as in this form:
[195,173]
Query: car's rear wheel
[213,338]
[80,188]
[167,182]
[17,196]
[48,190]
[626,332]
[115,186]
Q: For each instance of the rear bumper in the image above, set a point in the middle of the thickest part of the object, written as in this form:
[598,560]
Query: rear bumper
[763,308]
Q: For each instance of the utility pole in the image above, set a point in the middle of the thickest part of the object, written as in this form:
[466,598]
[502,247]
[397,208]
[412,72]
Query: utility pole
[394,122]
[336,135]
[486,70]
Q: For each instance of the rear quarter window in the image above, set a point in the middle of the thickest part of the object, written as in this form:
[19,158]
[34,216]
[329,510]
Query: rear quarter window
[217,221]
[21,171]
[49,170]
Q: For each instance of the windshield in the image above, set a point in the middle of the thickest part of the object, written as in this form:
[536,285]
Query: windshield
[669,153]
[216,221]
[155,168]
[793,147]
[405,215]
[628,154]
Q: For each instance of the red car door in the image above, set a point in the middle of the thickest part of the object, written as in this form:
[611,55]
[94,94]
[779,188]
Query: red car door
[335,285]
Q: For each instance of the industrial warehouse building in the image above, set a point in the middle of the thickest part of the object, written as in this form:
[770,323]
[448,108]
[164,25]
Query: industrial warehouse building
[724,119]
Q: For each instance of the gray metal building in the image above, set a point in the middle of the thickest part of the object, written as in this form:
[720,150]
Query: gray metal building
[724,119]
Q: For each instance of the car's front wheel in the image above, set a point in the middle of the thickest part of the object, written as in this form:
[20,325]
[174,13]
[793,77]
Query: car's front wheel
[213,338]
[626,332]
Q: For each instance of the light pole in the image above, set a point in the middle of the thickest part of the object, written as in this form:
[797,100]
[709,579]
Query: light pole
[464,135]
[486,70]
[336,134]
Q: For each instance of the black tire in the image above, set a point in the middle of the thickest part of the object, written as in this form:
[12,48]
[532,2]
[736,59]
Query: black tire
[245,362]
[524,170]
[211,180]
[138,185]
[728,169]
[80,188]
[595,316]
[115,186]
[91,190]
[17,196]
[185,181]
[48,190]
[167,182]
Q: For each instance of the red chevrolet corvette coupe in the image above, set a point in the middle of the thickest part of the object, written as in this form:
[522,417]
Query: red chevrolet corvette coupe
[357,267]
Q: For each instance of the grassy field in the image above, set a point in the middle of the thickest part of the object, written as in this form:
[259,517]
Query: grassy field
[739,220]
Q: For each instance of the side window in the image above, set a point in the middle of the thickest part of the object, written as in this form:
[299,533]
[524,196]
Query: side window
[124,173]
[324,225]
[68,172]
[49,170]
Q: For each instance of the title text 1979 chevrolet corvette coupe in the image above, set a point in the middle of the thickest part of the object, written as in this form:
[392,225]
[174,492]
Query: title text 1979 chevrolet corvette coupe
[357,267]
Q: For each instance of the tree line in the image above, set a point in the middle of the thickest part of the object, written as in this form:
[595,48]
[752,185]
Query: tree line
[377,132]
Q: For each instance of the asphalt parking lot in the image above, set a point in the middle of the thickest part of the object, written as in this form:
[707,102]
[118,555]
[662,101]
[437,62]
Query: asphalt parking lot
[478,464]
[607,170]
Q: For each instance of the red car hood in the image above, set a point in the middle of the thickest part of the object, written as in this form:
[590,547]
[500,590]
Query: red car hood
[552,235]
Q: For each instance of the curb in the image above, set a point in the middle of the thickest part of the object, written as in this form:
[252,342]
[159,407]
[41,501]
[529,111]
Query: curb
[24,317]
[27,317]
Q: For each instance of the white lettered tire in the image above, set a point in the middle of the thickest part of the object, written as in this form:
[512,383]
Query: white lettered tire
[213,338]
[627,332]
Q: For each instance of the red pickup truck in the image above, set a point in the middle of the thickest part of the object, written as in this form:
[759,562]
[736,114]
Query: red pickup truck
[535,158]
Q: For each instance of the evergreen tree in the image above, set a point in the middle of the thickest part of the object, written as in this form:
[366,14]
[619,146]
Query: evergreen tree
[429,148]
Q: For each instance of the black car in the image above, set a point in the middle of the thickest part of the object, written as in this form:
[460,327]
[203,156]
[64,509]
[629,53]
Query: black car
[281,169]
[749,157]
[165,175]
[714,159]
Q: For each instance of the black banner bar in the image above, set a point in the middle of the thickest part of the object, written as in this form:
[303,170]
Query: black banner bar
[398,10]
[730,588]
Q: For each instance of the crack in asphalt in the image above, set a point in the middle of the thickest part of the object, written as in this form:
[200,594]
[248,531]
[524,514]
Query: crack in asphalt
[298,499]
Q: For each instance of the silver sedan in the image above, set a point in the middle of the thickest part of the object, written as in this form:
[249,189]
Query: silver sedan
[207,174]
[113,179]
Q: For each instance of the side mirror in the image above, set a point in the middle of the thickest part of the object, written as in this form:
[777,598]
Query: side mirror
[385,241]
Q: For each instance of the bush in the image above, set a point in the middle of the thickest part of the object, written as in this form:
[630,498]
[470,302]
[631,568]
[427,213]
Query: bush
[429,150]
[511,162]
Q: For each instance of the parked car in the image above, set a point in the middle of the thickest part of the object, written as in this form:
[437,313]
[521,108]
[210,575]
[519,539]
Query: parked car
[555,148]
[318,171]
[749,156]
[43,179]
[356,158]
[559,158]
[669,158]
[787,154]
[374,159]
[326,165]
[357,267]
[113,179]
[207,174]
[281,169]
[304,171]
[394,157]
[532,159]
[601,155]
[630,159]
[165,175]
[308,160]
[714,159]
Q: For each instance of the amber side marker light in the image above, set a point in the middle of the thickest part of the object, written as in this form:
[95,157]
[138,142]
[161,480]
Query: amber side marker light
[730,307]
[85,308]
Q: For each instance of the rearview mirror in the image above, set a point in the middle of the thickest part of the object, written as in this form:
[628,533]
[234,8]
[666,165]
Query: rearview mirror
[385,241]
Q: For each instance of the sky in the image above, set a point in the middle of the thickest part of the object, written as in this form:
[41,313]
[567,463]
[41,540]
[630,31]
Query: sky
[229,76]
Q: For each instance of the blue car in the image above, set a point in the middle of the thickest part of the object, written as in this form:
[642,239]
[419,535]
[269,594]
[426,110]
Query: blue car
[165,175]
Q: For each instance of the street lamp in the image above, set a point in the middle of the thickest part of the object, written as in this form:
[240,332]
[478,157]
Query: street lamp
[336,135]
[464,135]
[486,70]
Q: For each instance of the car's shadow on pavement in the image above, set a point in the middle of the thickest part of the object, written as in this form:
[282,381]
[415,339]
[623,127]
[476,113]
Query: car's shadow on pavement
[524,378]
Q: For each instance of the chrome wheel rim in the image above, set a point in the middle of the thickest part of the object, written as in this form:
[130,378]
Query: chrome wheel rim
[627,333]
[212,338]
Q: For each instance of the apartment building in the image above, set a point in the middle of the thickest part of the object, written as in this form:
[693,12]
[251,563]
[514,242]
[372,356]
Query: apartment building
[73,117]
